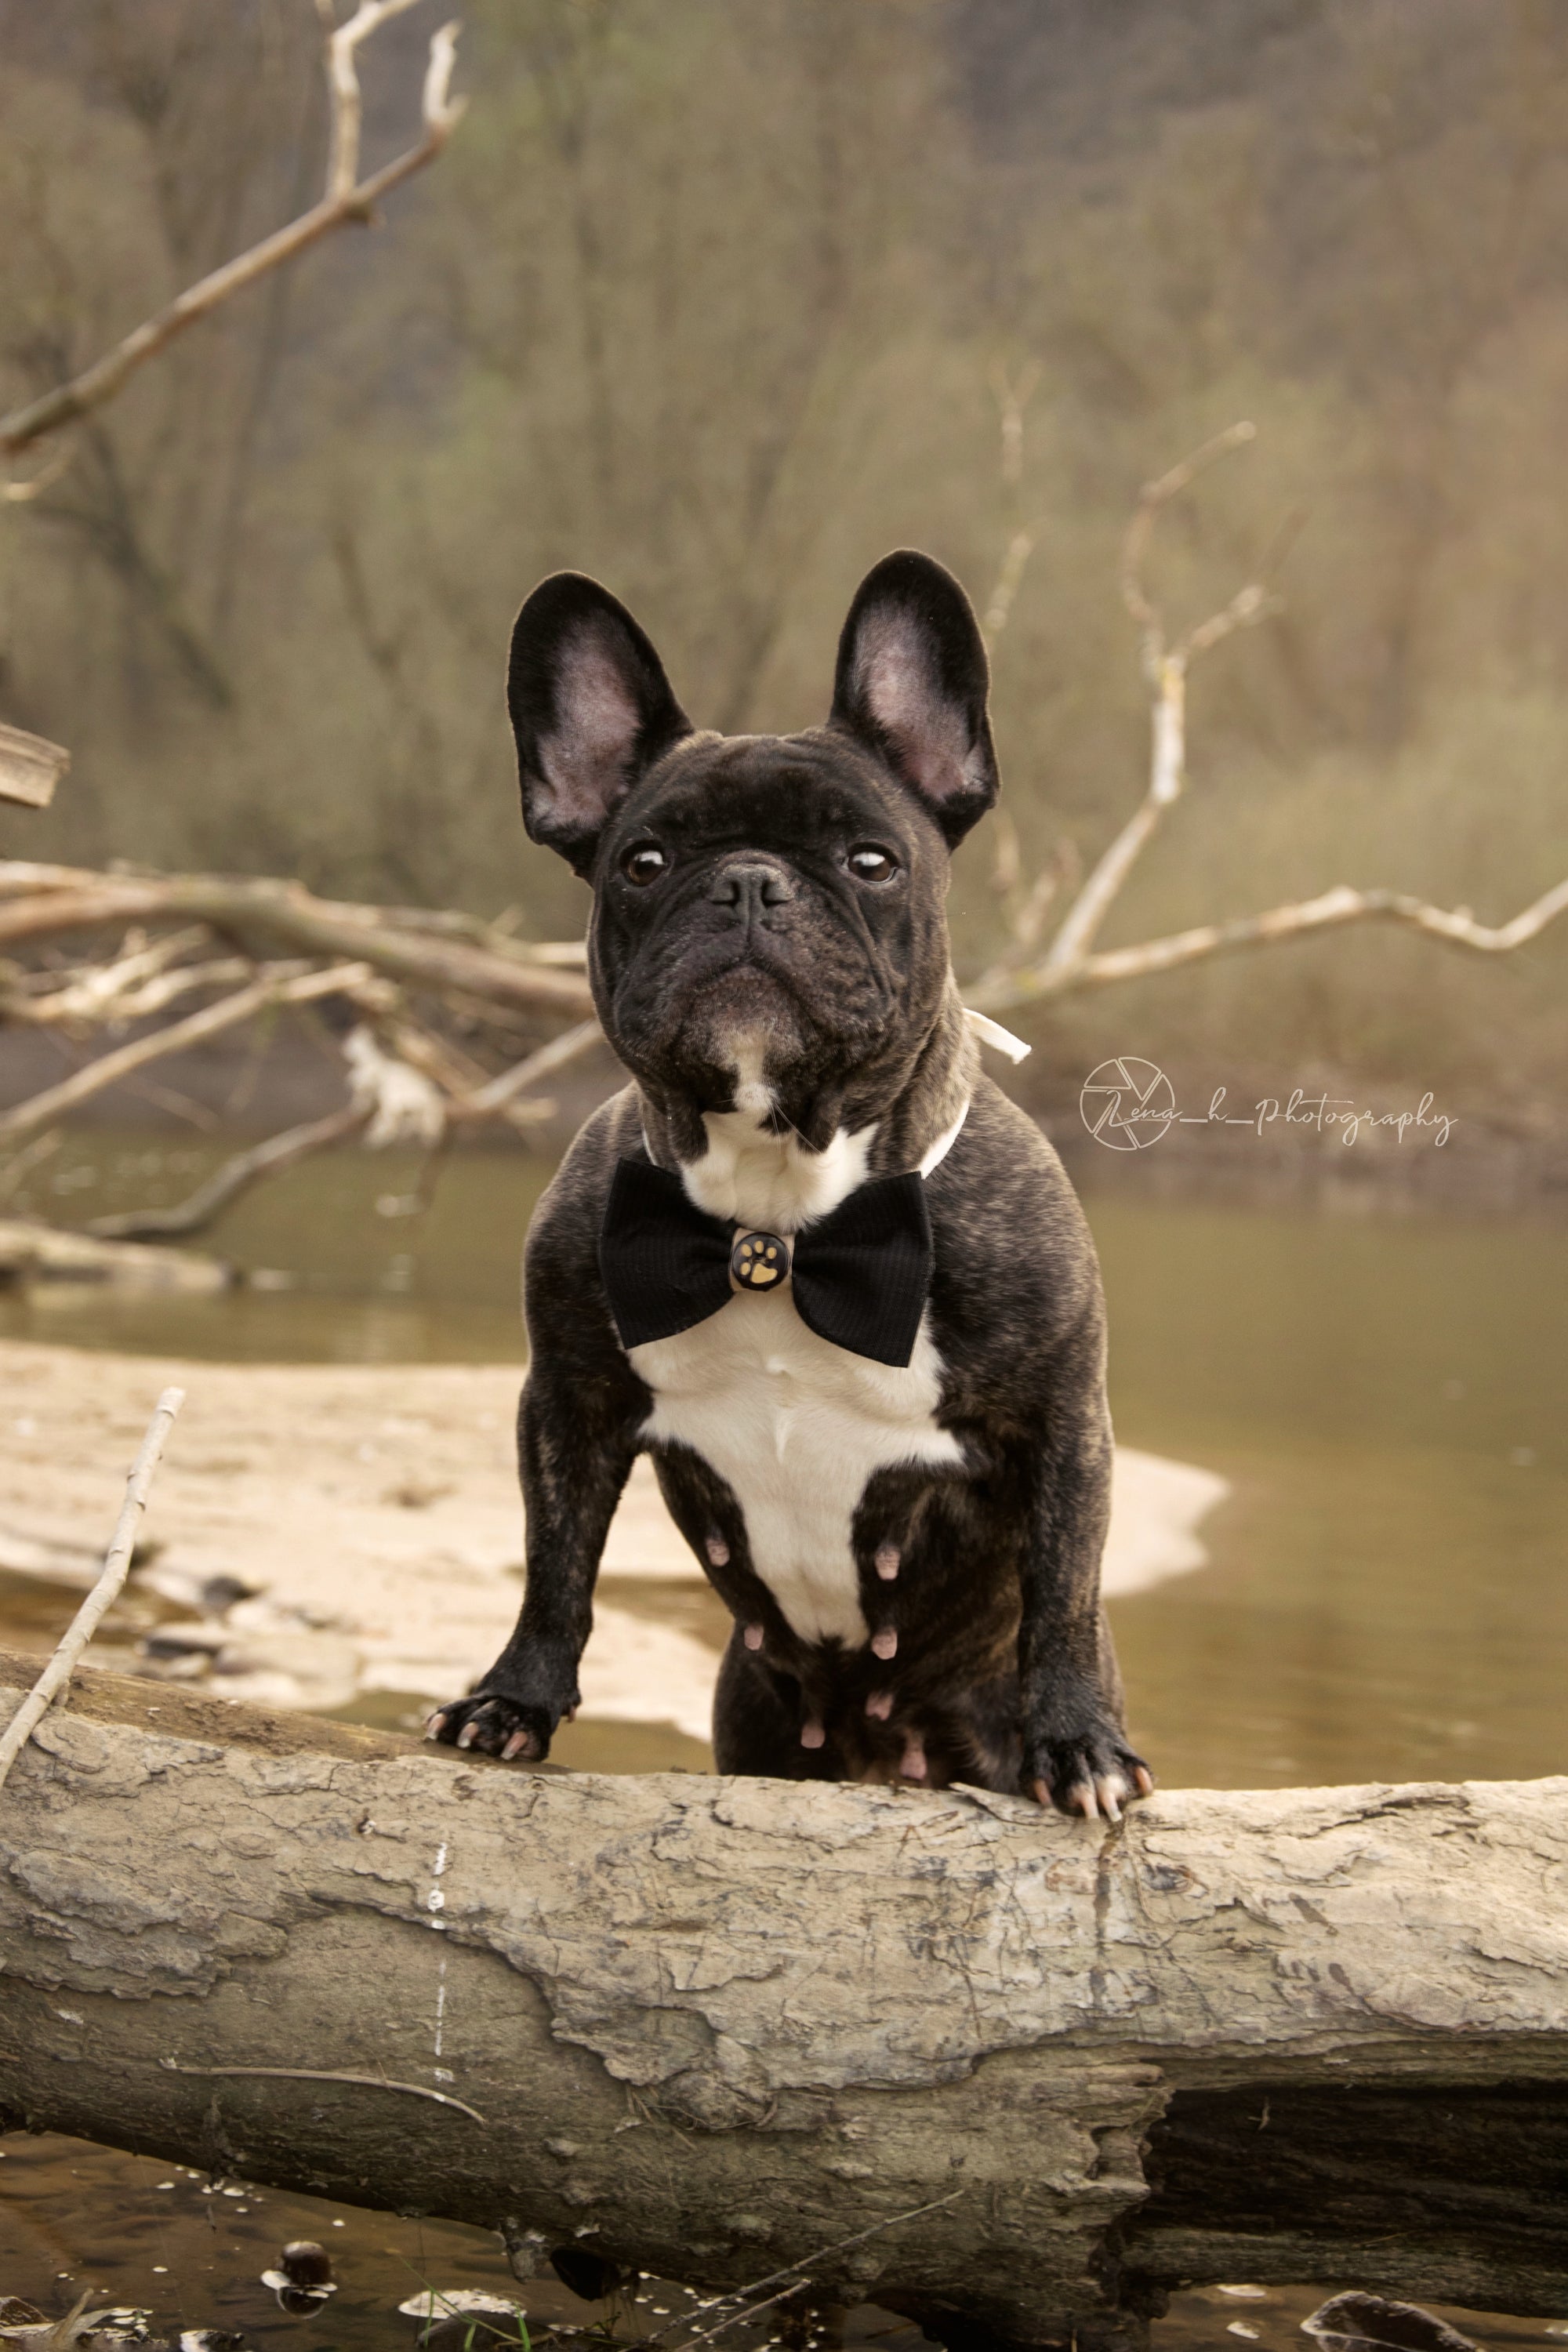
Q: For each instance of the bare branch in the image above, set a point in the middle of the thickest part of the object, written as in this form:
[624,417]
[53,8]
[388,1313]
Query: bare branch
[1166,672]
[466,1102]
[1012,398]
[193,1214]
[38,901]
[22,493]
[501,1093]
[289,987]
[347,198]
[1009,579]
[1070,963]
[30,767]
[1157,495]
[997,993]
[139,985]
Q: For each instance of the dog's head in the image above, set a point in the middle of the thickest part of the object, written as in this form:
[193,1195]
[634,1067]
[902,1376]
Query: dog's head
[769,918]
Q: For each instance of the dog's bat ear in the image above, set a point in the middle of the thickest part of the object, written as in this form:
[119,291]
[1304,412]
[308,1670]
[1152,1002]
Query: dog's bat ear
[591,709]
[911,683]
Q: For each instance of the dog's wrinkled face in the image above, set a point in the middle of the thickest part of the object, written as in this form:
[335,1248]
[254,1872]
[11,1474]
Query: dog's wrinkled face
[769,929]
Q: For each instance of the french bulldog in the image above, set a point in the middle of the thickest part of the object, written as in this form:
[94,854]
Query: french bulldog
[811,1258]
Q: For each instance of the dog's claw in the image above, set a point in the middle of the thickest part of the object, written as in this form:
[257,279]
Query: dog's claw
[880,1706]
[1090,1776]
[492,1725]
[812,1735]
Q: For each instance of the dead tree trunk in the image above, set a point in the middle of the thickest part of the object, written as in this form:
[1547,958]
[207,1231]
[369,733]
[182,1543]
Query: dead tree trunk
[708,2027]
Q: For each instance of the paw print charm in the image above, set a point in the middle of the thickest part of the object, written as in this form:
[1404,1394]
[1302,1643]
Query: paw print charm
[758,1261]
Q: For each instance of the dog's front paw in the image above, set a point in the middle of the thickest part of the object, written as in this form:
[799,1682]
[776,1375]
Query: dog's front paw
[1087,1773]
[495,1725]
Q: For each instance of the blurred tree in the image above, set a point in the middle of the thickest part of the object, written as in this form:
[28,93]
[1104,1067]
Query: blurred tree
[713,302]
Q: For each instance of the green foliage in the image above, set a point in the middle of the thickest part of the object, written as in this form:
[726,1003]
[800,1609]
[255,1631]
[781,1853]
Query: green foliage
[710,300]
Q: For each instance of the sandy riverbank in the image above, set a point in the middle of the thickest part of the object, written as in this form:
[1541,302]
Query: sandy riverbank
[371,1513]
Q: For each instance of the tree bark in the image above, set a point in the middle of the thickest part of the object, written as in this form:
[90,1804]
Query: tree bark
[707,2027]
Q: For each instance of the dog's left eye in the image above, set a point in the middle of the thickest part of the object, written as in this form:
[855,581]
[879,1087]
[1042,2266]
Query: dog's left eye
[869,864]
[644,864]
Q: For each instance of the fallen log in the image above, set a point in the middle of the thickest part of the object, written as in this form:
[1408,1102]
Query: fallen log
[708,2027]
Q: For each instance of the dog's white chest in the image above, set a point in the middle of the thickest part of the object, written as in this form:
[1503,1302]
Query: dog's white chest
[796,1427]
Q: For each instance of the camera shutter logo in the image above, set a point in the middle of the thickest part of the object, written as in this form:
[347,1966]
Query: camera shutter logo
[1127,1103]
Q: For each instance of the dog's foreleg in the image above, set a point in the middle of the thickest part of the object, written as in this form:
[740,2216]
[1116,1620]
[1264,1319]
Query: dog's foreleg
[574,1461]
[1076,1754]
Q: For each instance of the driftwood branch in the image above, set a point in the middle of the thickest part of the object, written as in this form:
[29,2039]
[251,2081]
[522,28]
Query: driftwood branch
[1071,961]
[717,2026]
[346,198]
[39,902]
[105,1593]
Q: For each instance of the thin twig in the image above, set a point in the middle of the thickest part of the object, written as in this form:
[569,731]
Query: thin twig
[501,1091]
[328,2074]
[116,1562]
[1155,496]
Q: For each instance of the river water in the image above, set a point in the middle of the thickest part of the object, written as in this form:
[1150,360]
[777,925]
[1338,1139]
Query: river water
[1388,1399]
[1384,1594]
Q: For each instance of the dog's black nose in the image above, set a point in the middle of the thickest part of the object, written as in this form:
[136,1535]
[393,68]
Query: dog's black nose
[749,884]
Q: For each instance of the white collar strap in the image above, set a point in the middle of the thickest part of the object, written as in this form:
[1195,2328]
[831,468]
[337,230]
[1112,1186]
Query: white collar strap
[991,1032]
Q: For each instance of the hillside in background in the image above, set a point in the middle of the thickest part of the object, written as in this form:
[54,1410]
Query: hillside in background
[714,302]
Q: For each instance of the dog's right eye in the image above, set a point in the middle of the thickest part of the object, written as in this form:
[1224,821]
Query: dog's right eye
[644,864]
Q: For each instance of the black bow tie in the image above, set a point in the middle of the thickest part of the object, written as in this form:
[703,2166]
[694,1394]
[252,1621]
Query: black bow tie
[860,1273]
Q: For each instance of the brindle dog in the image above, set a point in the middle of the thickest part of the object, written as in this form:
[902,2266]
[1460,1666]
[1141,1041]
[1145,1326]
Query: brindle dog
[907,1529]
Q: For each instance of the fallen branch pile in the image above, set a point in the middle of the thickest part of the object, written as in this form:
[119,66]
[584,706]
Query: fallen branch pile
[429,1009]
[709,2026]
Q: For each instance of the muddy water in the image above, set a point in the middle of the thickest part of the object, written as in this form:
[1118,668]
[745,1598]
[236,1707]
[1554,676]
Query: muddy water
[190,2253]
